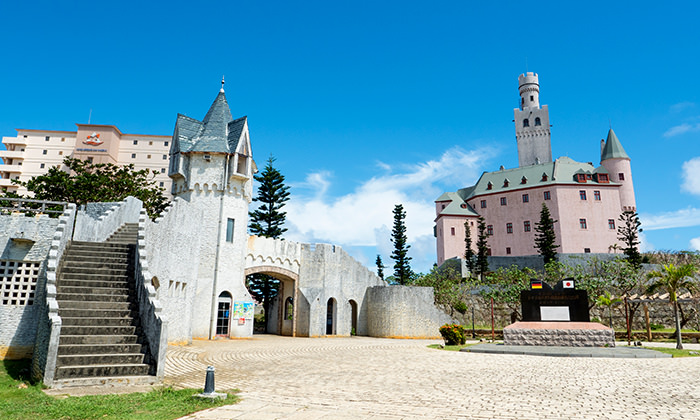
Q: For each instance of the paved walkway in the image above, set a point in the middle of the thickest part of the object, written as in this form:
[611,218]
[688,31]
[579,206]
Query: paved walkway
[370,378]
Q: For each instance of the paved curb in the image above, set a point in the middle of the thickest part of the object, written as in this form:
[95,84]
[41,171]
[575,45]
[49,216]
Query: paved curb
[561,351]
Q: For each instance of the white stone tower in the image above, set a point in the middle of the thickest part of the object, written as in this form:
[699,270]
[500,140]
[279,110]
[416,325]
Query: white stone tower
[211,165]
[532,123]
[614,158]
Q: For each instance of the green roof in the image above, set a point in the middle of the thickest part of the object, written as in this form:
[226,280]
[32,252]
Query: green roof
[457,206]
[613,148]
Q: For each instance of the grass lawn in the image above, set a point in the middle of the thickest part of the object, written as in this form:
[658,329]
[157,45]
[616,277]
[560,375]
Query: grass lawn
[19,399]
[450,348]
[675,352]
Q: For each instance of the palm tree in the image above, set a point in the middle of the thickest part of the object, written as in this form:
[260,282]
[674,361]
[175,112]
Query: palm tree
[673,279]
[606,299]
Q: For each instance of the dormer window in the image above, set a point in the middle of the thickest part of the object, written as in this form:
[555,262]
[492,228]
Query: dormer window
[544,177]
[603,178]
[489,186]
[526,122]
[580,177]
[538,122]
[523,180]
[506,183]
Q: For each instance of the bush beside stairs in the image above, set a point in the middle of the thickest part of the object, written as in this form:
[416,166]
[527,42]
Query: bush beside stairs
[101,341]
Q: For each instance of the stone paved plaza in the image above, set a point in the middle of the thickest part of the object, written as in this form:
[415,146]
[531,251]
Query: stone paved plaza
[372,378]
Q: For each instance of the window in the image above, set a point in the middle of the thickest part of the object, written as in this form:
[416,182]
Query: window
[587,250]
[162,184]
[538,121]
[60,152]
[523,180]
[508,251]
[509,228]
[136,142]
[43,152]
[150,143]
[488,251]
[580,177]
[89,159]
[582,223]
[547,196]
[611,224]
[596,195]
[162,170]
[42,166]
[582,195]
[489,230]
[452,231]
[544,177]
[526,122]
[504,202]
[532,98]
[47,138]
[148,156]
[133,155]
[63,139]
[443,207]
[621,176]
[489,185]
[229,230]
[165,157]
[165,144]
[526,226]
[526,198]
[603,178]
[506,183]
[483,204]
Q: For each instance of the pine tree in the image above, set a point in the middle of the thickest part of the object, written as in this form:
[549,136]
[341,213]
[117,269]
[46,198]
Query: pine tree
[468,251]
[402,269]
[545,237]
[628,233]
[380,267]
[482,248]
[267,219]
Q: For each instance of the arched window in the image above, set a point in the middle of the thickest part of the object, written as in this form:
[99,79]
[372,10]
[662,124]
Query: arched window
[288,308]
[538,121]
[526,122]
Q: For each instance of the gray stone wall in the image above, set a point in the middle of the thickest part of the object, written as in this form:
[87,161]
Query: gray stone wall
[25,245]
[91,229]
[404,312]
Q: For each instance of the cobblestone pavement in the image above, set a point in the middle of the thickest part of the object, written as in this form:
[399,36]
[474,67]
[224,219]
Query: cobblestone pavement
[372,378]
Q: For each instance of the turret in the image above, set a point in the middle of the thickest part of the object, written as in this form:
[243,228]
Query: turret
[532,123]
[614,158]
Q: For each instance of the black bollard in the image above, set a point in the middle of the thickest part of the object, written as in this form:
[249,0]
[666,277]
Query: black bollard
[209,381]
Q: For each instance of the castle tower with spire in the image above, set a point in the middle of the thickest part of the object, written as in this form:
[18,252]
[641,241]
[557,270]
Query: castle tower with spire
[532,123]
[614,158]
[212,167]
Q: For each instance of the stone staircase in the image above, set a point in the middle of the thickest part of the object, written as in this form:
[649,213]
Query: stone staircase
[101,340]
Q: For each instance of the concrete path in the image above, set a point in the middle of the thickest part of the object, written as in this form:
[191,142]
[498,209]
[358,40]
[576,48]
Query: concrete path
[370,378]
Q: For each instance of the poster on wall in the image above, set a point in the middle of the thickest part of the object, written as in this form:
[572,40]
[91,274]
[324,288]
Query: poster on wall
[243,310]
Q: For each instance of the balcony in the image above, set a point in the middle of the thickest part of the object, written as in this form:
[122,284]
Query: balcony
[6,182]
[11,154]
[15,140]
[10,168]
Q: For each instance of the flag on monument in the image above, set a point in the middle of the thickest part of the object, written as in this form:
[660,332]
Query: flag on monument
[568,284]
[534,284]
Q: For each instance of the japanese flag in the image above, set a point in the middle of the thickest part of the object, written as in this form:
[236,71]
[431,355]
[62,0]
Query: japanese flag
[568,284]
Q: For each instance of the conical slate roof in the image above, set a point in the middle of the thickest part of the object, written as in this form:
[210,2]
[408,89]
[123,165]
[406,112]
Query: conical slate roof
[613,148]
[217,133]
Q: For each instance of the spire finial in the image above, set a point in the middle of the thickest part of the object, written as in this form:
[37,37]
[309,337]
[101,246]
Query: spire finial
[222,84]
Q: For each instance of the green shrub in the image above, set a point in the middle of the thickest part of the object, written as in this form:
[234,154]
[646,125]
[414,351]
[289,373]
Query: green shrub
[656,327]
[453,334]
[460,307]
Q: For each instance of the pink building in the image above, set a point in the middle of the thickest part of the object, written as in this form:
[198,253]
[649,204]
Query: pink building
[585,200]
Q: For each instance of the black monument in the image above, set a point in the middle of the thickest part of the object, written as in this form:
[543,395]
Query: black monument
[561,303]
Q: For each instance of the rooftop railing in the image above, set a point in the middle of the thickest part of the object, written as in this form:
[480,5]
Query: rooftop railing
[31,207]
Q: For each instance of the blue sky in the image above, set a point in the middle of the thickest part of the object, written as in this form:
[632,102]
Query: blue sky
[368,104]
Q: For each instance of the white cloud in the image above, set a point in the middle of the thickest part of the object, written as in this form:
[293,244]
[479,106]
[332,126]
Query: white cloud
[674,219]
[682,129]
[675,108]
[695,244]
[363,217]
[644,244]
[691,176]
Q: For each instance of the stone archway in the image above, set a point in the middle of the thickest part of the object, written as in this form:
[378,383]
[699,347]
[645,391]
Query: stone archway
[281,318]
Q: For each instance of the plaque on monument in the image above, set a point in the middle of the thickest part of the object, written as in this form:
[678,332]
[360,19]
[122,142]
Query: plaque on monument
[559,303]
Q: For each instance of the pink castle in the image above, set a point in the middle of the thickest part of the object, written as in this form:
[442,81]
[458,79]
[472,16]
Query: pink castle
[585,200]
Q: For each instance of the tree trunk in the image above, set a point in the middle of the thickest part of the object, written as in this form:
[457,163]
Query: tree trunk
[679,342]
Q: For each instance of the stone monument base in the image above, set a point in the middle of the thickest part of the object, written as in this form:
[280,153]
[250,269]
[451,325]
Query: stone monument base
[573,334]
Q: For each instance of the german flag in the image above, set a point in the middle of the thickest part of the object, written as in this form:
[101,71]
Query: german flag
[535,284]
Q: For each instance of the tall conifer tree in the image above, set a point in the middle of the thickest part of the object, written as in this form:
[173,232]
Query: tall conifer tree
[468,251]
[482,248]
[380,267]
[402,269]
[545,237]
[628,233]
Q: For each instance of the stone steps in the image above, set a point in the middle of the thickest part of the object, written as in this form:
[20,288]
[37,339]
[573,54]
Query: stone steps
[101,339]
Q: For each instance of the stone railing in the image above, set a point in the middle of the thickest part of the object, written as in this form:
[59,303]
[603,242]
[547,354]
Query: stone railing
[153,322]
[90,230]
[49,322]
